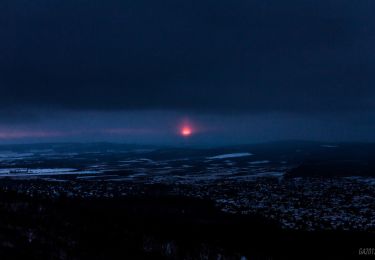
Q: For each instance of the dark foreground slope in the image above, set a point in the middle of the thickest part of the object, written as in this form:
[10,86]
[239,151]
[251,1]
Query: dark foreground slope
[163,227]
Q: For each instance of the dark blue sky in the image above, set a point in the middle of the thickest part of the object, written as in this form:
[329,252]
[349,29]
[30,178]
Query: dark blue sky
[239,71]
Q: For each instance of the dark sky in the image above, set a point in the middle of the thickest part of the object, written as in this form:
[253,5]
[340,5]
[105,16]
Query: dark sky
[238,71]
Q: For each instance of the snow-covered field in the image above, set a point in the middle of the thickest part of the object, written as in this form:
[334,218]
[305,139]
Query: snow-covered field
[229,155]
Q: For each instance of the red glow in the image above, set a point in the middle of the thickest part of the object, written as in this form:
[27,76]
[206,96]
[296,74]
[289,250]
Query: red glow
[186,131]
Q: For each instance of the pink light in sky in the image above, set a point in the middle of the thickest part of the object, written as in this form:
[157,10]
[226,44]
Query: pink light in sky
[11,134]
[187,129]
[19,134]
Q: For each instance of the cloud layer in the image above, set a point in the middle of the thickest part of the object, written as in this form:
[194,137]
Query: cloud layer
[210,56]
[132,70]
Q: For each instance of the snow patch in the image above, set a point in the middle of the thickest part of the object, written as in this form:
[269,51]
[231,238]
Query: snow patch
[259,162]
[230,155]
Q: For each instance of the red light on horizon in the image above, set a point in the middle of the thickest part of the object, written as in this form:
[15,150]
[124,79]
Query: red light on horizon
[186,131]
